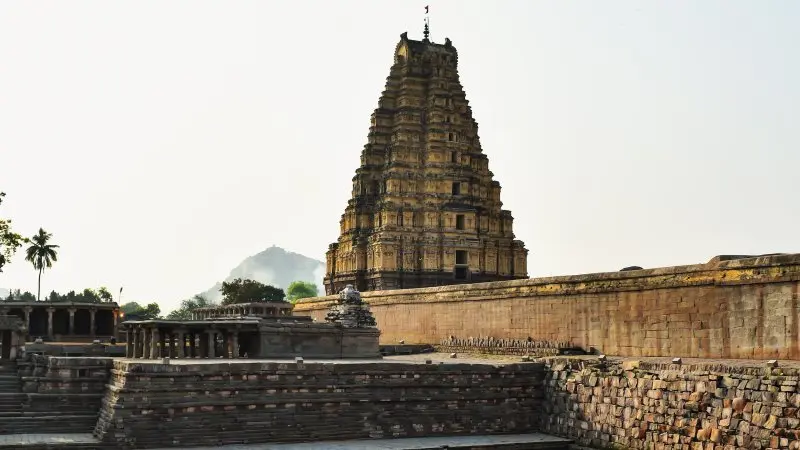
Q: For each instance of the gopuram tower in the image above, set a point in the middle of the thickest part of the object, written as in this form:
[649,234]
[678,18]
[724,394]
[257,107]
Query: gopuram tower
[425,210]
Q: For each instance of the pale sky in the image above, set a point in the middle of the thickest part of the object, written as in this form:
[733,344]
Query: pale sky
[162,142]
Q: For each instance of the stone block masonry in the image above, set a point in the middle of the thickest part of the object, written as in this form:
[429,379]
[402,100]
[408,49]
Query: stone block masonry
[172,405]
[55,395]
[727,308]
[648,405]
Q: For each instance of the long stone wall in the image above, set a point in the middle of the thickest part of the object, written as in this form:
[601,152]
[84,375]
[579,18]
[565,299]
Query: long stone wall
[737,308]
[156,405]
[646,405]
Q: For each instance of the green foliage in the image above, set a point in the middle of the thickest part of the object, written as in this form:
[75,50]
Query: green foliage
[133,309]
[130,307]
[187,306]
[104,295]
[15,295]
[85,296]
[41,254]
[301,289]
[250,291]
[9,240]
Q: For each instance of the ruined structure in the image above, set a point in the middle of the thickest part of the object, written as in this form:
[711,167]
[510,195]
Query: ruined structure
[12,337]
[425,210]
[65,321]
[257,330]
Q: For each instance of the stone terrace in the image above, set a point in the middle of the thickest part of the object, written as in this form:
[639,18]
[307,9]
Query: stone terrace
[195,403]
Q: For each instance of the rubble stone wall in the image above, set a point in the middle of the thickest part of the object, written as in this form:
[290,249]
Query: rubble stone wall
[642,405]
[157,405]
[737,308]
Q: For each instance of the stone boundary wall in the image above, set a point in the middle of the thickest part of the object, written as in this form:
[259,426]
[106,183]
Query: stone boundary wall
[737,308]
[157,405]
[641,405]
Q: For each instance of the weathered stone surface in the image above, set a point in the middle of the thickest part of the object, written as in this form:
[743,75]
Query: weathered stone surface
[350,311]
[668,407]
[425,208]
[743,308]
[150,405]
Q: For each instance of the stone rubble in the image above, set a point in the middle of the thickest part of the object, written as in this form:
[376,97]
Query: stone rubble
[665,406]
[350,311]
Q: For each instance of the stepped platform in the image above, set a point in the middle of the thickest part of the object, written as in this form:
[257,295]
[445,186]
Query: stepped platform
[534,441]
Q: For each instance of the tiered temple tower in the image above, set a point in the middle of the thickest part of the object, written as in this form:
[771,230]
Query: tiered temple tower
[425,210]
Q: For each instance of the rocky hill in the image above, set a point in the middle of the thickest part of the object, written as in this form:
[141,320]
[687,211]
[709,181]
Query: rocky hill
[274,266]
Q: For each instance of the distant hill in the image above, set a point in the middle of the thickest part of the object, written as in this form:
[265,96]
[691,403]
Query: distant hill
[274,266]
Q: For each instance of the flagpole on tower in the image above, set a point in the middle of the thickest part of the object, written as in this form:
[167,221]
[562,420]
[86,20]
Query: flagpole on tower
[427,32]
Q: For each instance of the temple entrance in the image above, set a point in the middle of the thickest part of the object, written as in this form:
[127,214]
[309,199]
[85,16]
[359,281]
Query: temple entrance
[249,344]
[83,322]
[38,323]
[104,322]
[61,321]
[5,344]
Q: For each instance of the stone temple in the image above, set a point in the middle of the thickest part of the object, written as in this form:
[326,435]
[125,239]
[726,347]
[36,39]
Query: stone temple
[425,209]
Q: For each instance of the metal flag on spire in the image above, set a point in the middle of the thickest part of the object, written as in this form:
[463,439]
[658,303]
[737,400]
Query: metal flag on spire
[426,33]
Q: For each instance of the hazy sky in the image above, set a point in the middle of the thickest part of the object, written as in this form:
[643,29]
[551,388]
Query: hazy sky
[162,142]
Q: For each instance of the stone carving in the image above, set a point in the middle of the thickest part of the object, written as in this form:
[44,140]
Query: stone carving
[460,170]
[493,345]
[350,311]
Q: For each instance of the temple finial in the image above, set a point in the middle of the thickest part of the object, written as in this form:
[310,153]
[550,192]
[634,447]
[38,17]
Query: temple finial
[427,31]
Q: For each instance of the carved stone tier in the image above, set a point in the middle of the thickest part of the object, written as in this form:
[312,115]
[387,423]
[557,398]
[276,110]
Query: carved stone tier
[425,210]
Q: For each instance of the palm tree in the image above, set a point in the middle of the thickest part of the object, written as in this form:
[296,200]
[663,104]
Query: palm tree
[41,254]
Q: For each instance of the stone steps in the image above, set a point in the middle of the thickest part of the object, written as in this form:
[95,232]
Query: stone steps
[39,441]
[47,424]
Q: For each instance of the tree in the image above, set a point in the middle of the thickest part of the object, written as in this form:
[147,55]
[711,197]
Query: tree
[184,312]
[104,295]
[41,254]
[250,291]
[88,296]
[151,311]
[301,289]
[130,308]
[9,241]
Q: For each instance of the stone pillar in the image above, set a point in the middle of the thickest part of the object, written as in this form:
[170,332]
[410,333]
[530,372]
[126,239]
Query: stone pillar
[129,345]
[148,343]
[212,344]
[180,342]
[193,345]
[203,345]
[163,344]
[188,346]
[235,344]
[154,341]
[50,322]
[135,336]
[92,313]
[71,321]
[27,311]
[115,333]
[141,349]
